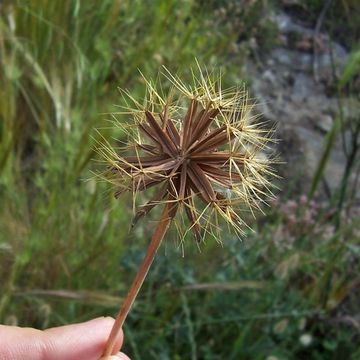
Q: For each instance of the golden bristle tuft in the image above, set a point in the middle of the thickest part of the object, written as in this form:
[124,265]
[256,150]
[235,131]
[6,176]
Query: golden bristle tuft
[200,148]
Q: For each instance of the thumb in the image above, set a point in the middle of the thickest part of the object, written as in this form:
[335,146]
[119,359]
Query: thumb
[83,341]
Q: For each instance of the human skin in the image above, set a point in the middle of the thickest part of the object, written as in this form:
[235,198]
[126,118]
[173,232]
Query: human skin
[84,341]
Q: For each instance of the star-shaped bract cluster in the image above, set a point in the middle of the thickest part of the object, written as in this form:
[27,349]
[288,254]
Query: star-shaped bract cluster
[205,158]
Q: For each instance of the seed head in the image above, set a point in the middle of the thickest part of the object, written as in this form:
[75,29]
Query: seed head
[199,147]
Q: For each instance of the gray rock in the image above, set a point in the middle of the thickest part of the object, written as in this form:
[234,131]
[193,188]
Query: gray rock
[324,122]
[290,96]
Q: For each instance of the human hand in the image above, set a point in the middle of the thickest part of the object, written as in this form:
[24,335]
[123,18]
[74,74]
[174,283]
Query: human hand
[84,341]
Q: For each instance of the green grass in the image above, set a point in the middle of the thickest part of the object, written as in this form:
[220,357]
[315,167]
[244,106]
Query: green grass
[341,18]
[65,250]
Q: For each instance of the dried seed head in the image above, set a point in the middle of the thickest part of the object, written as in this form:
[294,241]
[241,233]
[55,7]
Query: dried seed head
[202,150]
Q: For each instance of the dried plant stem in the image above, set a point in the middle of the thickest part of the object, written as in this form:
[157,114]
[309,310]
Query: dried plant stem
[139,279]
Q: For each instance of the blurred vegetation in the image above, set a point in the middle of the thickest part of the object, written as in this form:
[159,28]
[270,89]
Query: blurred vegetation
[341,20]
[288,292]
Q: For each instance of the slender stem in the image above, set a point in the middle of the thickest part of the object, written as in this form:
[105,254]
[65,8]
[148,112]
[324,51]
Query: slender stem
[8,287]
[139,279]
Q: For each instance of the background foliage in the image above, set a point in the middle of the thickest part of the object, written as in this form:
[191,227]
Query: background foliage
[287,292]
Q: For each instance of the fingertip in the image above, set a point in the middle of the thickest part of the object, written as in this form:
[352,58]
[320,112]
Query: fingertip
[84,341]
[108,322]
[123,356]
[118,356]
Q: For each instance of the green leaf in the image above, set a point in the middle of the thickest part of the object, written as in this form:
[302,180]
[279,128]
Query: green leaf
[351,68]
